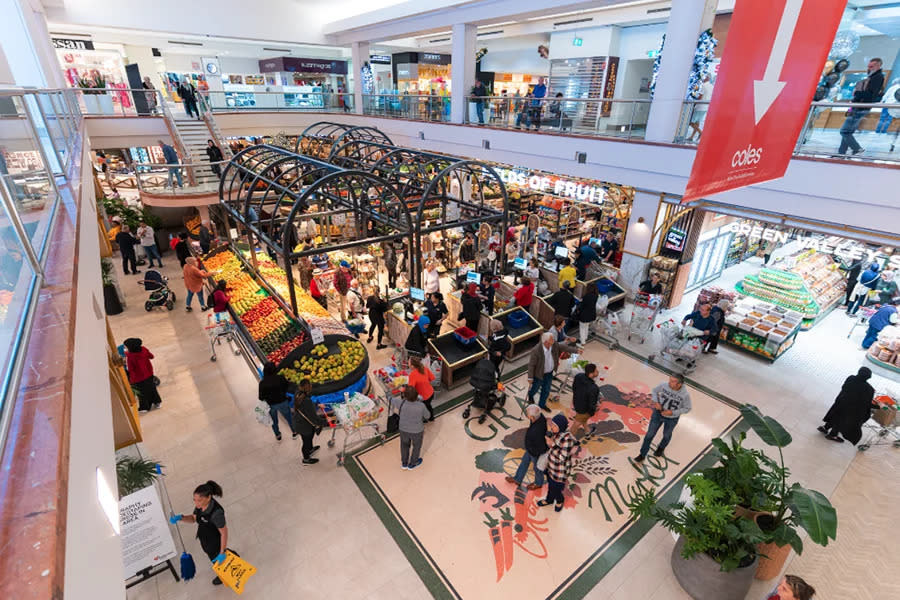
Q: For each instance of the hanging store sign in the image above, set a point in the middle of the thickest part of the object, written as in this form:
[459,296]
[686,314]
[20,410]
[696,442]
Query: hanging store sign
[769,71]
[675,239]
[609,86]
[551,184]
[379,59]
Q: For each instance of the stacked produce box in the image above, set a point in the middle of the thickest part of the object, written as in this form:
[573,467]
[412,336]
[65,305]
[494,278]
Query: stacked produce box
[761,327]
[886,350]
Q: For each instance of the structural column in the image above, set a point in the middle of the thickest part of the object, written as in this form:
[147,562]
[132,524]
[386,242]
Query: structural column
[686,20]
[462,76]
[359,54]
[26,43]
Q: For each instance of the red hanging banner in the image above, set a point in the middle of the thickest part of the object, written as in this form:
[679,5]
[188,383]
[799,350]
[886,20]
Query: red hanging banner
[772,62]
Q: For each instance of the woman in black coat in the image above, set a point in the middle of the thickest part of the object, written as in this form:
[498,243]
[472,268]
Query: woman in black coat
[587,312]
[307,421]
[471,307]
[215,156]
[851,409]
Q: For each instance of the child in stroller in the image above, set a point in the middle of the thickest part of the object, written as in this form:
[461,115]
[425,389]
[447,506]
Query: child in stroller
[160,294]
[488,389]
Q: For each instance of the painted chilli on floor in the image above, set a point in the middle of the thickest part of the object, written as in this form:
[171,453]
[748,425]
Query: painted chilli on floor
[514,521]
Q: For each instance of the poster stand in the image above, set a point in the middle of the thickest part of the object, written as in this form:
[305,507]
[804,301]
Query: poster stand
[150,572]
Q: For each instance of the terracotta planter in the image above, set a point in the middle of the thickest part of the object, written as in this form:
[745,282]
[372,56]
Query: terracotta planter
[746,513]
[770,568]
[702,578]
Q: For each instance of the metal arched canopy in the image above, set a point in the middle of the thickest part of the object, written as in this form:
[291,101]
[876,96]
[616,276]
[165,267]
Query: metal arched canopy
[319,139]
[269,179]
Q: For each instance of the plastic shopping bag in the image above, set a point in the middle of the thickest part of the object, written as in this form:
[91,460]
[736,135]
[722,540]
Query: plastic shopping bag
[262,414]
[234,571]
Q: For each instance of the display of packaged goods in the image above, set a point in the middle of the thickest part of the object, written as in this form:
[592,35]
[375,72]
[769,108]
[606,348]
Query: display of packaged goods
[751,326]
[822,277]
[781,279]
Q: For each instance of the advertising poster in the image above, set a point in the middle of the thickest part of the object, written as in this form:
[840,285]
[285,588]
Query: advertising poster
[146,538]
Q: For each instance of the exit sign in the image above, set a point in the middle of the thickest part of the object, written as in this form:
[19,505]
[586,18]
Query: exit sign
[652,53]
[577,41]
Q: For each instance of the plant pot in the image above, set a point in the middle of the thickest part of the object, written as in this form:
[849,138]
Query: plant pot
[111,301]
[771,560]
[91,105]
[747,513]
[105,102]
[702,578]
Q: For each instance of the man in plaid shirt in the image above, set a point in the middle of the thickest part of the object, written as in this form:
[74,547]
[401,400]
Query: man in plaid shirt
[560,460]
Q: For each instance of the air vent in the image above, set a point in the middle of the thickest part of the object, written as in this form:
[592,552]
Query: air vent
[176,43]
[85,36]
[439,40]
[573,22]
[651,11]
[490,32]
[155,51]
[421,135]
[581,157]
[287,50]
[486,144]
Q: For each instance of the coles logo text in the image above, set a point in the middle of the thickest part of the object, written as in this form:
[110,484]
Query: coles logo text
[746,157]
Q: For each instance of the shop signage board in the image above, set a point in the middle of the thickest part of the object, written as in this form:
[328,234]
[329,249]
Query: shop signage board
[71,44]
[146,538]
[675,239]
[537,181]
[609,85]
[380,59]
[769,71]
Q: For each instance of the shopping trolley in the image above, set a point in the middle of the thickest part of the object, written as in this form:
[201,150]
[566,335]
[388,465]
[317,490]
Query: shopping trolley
[887,419]
[220,326]
[862,317]
[643,315]
[680,346]
[354,415]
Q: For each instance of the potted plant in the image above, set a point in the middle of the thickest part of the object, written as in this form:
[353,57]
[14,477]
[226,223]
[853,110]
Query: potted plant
[135,473]
[715,556]
[111,301]
[791,506]
[748,473]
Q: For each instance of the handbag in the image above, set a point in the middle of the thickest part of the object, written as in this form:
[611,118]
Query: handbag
[393,421]
[543,459]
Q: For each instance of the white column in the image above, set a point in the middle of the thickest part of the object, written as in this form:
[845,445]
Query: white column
[462,76]
[26,43]
[686,20]
[359,54]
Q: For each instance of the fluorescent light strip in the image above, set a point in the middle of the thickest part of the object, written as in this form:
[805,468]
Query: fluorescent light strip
[448,32]
[501,24]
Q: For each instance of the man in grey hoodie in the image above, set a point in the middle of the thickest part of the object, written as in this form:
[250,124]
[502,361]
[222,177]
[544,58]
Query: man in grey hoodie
[670,401]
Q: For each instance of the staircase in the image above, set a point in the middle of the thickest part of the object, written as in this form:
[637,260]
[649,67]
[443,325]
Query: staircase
[194,133]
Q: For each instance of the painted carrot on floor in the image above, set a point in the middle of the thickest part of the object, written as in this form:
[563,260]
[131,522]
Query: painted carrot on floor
[506,536]
[496,544]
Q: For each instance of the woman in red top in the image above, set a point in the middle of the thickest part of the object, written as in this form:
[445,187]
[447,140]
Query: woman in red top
[220,297]
[525,293]
[140,374]
[316,294]
[420,378]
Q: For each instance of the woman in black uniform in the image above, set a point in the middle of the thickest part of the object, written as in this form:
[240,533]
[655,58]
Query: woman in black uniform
[210,519]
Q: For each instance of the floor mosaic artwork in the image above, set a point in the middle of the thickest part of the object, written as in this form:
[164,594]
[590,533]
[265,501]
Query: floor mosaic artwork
[471,534]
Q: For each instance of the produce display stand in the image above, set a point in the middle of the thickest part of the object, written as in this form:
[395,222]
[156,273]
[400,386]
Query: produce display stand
[761,328]
[457,359]
[885,352]
[521,338]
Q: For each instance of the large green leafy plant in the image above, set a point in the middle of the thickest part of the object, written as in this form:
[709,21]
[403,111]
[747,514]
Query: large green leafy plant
[708,526]
[130,216]
[791,506]
[751,475]
[135,474]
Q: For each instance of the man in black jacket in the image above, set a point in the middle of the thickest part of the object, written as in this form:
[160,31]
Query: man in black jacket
[127,242]
[562,301]
[585,396]
[535,446]
[866,91]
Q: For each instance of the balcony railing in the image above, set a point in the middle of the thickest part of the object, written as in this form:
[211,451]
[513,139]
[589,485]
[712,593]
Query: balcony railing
[175,179]
[417,107]
[580,116]
[281,101]
[41,137]
[876,131]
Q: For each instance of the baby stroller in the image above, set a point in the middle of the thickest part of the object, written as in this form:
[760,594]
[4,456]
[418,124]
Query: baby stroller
[160,294]
[488,389]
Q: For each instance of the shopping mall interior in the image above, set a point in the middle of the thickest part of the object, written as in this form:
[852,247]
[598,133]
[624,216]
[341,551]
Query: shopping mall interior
[312,237]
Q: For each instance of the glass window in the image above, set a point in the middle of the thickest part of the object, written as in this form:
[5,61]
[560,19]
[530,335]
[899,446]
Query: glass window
[30,188]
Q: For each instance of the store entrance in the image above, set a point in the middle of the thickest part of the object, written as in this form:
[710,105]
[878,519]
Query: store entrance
[793,291]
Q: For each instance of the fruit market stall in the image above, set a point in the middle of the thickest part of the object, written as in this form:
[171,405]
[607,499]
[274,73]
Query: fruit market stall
[458,358]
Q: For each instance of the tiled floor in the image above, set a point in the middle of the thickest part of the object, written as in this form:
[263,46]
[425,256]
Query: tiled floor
[312,534]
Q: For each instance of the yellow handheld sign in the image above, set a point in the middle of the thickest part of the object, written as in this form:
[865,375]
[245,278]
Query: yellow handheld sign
[234,571]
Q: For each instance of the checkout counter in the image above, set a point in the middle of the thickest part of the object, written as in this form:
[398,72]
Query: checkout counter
[458,360]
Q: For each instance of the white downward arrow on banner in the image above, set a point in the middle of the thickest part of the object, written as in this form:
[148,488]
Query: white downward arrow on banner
[767,89]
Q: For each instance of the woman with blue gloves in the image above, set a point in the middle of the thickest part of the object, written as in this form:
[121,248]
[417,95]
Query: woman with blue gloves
[210,519]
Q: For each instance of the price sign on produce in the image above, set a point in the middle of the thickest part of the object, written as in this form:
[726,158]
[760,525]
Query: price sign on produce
[317,336]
